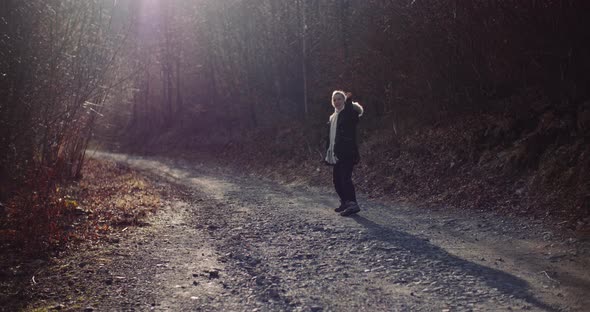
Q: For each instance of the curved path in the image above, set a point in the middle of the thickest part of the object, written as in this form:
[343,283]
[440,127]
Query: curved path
[239,243]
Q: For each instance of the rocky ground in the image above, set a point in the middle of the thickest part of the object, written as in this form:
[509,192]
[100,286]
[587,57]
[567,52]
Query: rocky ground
[229,241]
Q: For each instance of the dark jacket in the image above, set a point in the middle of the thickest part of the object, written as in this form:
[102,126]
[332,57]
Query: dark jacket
[345,144]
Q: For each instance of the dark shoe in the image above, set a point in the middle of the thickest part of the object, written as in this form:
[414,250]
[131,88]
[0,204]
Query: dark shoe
[341,208]
[351,208]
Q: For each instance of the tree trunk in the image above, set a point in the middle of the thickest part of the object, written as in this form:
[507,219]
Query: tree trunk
[303,27]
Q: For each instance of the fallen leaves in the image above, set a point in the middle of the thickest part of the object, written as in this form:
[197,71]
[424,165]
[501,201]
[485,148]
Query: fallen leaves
[108,197]
[116,197]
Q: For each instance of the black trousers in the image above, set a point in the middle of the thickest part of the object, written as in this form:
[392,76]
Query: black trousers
[342,178]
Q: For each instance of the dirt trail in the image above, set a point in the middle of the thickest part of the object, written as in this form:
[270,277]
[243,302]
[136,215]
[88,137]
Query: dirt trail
[236,242]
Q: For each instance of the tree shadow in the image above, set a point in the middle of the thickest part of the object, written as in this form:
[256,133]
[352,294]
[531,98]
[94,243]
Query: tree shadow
[505,283]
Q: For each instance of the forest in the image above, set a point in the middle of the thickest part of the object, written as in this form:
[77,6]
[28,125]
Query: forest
[460,97]
[170,155]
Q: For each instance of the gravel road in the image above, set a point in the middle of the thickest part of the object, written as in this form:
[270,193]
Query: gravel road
[236,242]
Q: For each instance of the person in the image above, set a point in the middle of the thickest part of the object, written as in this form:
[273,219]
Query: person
[342,150]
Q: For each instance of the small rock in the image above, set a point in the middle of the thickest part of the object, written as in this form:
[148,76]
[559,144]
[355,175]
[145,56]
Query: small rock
[88,309]
[213,274]
[316,308]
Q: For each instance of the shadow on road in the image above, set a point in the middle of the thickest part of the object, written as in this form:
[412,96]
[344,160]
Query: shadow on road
[502,281]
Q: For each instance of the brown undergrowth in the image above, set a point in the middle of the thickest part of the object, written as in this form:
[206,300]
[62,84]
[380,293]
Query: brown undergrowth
[115,196]
[45,215]
[96,210]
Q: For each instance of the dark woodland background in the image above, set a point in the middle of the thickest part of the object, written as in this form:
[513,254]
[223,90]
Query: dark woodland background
[476,104]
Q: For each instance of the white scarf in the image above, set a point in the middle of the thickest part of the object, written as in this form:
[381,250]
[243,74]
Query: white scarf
[330,157]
